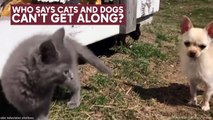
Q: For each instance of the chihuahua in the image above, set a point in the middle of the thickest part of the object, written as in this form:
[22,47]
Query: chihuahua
[197,59]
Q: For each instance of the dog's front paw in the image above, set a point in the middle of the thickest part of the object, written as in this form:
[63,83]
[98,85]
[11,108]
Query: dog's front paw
[73,105]
[193,103]
[205,107]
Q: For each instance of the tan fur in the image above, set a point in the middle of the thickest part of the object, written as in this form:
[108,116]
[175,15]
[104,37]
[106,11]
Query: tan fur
[197,63]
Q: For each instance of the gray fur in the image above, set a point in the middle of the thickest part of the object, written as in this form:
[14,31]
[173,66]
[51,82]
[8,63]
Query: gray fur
[40,63]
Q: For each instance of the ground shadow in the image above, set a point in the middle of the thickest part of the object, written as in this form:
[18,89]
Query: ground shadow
[174,94]
[103,47]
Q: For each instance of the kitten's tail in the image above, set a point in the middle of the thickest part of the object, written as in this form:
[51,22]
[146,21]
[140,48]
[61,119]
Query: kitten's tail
[89,56]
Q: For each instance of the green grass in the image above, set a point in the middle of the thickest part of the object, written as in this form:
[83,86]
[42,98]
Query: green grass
[101,81]
[152,64]
[143,50]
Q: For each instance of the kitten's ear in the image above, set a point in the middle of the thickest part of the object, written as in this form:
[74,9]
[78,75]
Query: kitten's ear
[48,52]
[186,24]
[209,29]
[58,37]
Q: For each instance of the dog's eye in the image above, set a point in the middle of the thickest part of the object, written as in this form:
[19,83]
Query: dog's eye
[202,47]
[187,43]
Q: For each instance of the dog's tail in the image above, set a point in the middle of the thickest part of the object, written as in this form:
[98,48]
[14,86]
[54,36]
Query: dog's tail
[89,56]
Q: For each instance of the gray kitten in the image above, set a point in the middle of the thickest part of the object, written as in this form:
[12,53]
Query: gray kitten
[37,66]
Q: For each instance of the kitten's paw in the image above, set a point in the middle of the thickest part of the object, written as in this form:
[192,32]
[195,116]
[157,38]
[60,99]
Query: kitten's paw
[193,103]
[205,107]
[73,105]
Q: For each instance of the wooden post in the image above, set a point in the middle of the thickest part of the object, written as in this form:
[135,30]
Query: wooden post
[131,9]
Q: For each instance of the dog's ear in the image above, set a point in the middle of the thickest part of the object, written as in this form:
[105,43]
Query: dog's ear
[209,29]
[186,24]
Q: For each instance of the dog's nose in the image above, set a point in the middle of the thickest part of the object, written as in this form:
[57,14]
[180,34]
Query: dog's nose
[192,54]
